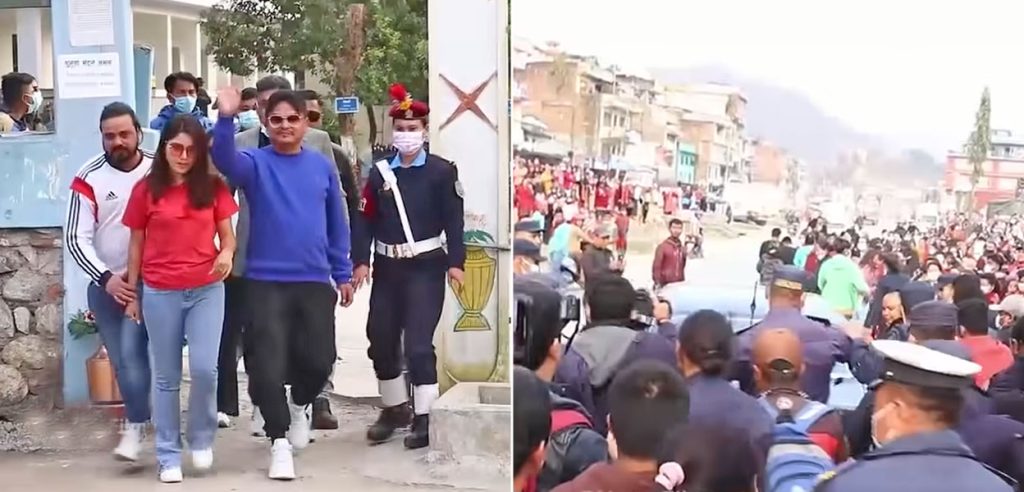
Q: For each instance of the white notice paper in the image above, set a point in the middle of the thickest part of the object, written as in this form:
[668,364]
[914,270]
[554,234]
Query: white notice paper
[91,22]
[83,76]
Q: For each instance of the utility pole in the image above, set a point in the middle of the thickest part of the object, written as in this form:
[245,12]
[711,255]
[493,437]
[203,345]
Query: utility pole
[347,63]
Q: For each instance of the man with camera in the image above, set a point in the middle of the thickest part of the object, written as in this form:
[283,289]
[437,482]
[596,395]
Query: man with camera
[573,445]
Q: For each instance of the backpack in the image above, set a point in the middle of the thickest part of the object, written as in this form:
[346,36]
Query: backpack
[794,461]
[565,426]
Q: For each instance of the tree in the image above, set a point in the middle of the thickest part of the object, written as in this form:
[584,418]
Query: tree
[979,143]
[297,35]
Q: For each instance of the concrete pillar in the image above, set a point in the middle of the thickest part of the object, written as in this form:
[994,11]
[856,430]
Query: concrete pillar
[78,139]
[167,48]
[197,51]
[473,334]
[30,41]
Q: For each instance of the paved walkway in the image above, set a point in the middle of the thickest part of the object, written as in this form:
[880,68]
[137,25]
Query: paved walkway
[337,460]
[353,373]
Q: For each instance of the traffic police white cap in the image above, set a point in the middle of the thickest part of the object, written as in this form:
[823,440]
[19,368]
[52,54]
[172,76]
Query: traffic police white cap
[917,365]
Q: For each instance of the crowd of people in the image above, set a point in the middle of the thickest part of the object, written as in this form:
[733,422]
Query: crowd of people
[238,237]
[928,320]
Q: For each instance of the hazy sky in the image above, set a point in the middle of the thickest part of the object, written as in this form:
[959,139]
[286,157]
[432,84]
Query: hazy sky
[908,70]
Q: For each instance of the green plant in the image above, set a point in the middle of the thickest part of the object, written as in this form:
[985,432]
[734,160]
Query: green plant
[82,324]
[478,237]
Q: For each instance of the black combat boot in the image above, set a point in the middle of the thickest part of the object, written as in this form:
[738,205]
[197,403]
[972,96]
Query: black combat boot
[390,420]
[419,435]
[323,419]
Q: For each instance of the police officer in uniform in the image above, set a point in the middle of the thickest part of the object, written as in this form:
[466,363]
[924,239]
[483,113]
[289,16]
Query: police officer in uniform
[823,346]
[412,207]
[918,405]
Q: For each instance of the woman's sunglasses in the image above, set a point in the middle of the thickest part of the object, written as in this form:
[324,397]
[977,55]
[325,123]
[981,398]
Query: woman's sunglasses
[179,150]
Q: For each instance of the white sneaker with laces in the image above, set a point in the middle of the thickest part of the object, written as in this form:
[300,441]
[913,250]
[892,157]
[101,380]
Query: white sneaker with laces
[282,464]
[131,442]
[171,475]
[223,421]
[256,424]
[300,426]
[202,459]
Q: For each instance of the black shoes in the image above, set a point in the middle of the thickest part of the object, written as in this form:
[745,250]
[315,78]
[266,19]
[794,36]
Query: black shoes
[390,420]
[419,435]
[323,419]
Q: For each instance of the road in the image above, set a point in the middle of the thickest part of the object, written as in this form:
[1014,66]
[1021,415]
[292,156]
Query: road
[729,263]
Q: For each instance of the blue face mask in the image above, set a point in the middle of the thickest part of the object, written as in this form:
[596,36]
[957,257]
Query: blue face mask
[248,119]
[185,104]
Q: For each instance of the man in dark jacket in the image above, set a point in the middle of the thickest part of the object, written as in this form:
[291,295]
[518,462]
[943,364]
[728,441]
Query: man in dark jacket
[573,445]
[865,364]
[1007,388]
[606,345]
[892,281]
[597,259]
[670,257]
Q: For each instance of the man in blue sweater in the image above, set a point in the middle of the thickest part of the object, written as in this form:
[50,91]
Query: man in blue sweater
[298,265]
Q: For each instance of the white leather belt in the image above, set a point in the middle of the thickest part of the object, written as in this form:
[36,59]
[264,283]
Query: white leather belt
[408,250]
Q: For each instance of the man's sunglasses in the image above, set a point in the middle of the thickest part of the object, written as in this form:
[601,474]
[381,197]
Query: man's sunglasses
[313,116]
[277,120]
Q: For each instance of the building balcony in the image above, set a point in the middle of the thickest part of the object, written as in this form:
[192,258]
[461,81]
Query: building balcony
[612,133]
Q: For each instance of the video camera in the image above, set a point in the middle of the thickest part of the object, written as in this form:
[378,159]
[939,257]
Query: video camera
[570,311]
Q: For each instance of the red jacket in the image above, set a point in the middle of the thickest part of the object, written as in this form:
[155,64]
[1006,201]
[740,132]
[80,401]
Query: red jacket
[669,262]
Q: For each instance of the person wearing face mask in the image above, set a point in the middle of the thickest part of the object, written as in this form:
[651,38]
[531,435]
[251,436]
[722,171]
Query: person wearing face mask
[412,207]
[182,90]
[248,117]
[21,100]
[917,409]
[526,257]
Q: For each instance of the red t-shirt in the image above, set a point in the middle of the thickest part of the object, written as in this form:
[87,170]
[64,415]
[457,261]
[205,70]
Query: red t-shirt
[670,201]
[179,251]
[525,200]
[602,197]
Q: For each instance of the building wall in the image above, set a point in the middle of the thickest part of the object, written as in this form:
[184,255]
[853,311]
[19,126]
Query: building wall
[31,317]
[998,180]
[702,135]
[769,163]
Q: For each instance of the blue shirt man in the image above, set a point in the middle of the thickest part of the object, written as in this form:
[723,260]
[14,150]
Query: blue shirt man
[182,93]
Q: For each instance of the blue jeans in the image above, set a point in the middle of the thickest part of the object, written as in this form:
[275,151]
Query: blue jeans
[172,316]
[128,348]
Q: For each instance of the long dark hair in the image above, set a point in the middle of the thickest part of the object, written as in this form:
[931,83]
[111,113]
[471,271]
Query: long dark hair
[199,181]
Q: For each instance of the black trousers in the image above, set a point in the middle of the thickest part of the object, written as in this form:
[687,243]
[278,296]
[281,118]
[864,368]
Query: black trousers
[235,312]
[406,298]
[290,338]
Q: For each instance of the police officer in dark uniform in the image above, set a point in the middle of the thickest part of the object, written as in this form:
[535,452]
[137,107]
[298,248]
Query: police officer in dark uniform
[918,405]
[412,206]
[823,346]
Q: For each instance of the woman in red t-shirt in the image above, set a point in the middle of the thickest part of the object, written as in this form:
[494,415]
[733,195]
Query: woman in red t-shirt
[174,214]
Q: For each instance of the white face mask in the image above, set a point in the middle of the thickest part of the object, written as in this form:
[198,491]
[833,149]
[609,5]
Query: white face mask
[36,102]
[408,142]
[876,440]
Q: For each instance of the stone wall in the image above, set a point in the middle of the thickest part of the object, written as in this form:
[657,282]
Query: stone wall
[31,316]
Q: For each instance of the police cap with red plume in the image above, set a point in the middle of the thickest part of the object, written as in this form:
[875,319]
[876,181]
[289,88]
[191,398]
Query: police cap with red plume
[404,107]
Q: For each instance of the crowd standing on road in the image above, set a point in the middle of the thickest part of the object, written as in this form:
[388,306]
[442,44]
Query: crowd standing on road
[931,321]
[154,234]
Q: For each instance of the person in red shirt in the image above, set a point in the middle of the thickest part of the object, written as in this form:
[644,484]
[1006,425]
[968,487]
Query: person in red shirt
[524,199]
[174,215]
[670,257]
[603,195]
[985,350]
[622,230]
[670,200]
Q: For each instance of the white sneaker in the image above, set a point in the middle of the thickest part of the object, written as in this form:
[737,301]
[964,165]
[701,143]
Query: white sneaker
[202,459]
[223,421]
[282,465]
[131,442]
[171,475]
[256,424]
[300,426]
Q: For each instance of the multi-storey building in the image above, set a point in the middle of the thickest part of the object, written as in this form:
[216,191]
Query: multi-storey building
[999,176]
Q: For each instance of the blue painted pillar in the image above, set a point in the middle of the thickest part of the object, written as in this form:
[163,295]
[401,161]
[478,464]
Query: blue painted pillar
[77,126]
